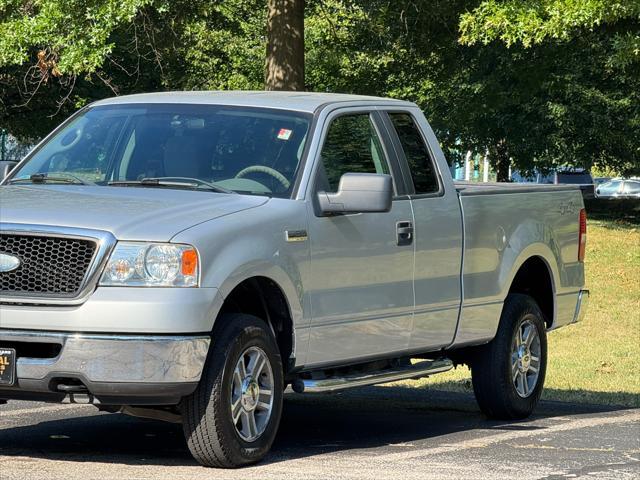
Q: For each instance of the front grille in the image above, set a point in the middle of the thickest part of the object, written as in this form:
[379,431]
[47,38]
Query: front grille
[49,266]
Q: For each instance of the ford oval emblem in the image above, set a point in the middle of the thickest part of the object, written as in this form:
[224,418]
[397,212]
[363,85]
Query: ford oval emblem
[8,263]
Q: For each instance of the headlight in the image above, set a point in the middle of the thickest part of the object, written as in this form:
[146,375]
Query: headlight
[152,265]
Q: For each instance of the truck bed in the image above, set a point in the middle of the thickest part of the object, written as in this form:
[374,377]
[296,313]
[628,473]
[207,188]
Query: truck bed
[506,224]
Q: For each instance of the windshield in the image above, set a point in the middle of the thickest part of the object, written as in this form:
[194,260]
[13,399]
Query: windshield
[246,150]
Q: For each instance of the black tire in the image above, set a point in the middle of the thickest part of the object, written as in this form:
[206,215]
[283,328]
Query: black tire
[491,367]
[209,430]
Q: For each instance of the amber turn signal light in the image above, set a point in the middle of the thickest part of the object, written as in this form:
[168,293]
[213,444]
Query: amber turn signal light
[189,262]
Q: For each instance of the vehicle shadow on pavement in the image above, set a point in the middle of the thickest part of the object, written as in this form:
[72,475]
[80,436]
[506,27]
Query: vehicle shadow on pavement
[364,418]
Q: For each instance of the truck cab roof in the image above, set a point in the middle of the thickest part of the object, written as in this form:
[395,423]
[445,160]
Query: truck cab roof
[298,101]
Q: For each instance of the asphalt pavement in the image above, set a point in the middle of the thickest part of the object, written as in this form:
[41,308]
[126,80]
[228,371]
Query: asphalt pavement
[370,433]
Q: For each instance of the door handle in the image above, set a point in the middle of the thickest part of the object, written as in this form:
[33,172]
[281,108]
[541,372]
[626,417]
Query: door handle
[404,233]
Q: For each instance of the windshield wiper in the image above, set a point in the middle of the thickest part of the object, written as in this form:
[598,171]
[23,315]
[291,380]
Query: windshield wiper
[178,182]
[58,178]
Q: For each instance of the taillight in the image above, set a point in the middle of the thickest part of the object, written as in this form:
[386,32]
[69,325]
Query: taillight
[582,237]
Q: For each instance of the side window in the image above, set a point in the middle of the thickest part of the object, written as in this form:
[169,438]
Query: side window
[631,187]
[425,179]
[352,146]
[610,187]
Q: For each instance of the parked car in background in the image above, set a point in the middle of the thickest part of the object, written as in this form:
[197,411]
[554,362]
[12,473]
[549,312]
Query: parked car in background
[597,181]
[571,176]
[577,177]
[619,188]
[574,177]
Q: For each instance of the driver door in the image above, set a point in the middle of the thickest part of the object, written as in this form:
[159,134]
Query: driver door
[361,282]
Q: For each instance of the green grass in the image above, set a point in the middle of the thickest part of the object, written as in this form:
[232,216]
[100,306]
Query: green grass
[597,360]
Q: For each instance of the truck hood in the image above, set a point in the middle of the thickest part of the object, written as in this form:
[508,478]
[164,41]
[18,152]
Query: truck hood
[129,213]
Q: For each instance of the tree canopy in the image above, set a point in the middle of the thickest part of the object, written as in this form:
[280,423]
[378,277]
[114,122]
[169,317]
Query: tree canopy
[536,83]
[590,53]
[531,22]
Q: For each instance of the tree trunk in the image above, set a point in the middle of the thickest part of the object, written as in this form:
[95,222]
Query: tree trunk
[285,45]
[501,161]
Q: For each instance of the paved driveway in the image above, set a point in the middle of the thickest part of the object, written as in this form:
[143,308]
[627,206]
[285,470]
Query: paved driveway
[371,433]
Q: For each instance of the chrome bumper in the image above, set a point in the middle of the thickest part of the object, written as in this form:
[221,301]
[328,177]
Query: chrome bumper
[581,306]
[109,366]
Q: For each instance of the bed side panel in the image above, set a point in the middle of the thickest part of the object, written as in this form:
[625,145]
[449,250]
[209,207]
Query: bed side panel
[502,231]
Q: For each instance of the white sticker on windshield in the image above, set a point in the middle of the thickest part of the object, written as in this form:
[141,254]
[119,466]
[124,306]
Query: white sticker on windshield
[284,134]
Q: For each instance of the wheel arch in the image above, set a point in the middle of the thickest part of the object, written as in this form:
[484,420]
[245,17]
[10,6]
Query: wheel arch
[264,297]
[534,276]
[534,272]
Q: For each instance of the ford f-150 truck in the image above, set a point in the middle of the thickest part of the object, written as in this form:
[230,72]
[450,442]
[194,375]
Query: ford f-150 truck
[188,256]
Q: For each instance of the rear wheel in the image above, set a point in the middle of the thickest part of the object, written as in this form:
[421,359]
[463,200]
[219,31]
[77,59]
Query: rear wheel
[508,373]
[232,418]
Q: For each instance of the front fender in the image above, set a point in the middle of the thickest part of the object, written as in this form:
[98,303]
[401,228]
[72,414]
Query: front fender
[282,278]
[253,243]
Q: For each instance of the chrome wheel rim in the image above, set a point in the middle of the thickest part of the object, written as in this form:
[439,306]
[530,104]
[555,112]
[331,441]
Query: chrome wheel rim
[525,358]
[252,394]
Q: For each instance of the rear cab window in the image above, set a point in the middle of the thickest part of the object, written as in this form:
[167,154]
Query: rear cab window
[421,166]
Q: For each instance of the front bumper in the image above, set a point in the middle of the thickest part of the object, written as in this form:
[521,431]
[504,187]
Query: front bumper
[104,368]
[130,310]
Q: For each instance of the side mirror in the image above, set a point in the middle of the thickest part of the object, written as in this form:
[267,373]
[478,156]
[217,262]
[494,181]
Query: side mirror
[5,168]
[358,193]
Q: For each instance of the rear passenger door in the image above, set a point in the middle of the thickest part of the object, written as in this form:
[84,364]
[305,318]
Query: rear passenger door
[437,231]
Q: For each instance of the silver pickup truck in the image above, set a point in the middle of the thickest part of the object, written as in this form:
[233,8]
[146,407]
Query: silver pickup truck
[188,256]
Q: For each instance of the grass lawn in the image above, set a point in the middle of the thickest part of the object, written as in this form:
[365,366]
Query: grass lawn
[597,360]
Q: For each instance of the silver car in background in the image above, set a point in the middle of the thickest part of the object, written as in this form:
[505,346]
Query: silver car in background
[619,188]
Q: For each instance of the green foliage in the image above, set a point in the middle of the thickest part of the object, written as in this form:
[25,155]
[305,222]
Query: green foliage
[531,22]
[216,45]
[551,104]
[539,83]
[68,54]
[589,54]
[74,35]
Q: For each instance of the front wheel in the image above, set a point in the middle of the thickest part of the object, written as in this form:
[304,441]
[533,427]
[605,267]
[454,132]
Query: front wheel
[232,418]
[508,373]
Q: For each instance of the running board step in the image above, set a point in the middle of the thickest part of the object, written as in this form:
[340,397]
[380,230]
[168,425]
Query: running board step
[332,384]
